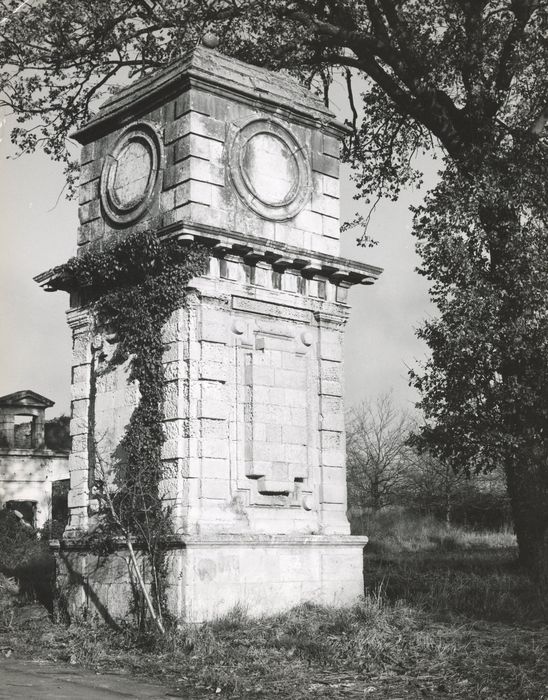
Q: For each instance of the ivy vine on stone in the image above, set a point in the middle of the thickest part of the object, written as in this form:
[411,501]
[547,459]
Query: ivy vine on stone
[134,286]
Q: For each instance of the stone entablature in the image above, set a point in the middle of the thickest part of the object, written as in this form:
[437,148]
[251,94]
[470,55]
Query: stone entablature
[257,253]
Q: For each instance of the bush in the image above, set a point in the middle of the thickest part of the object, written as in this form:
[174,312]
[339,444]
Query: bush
[26,558]
[470,507]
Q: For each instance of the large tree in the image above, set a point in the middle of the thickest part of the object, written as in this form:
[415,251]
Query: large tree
[467,79]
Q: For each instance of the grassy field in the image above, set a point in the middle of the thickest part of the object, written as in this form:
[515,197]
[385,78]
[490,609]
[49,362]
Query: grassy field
[446,614]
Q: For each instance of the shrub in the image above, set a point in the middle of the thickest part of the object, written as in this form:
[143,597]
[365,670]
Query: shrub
[26,558]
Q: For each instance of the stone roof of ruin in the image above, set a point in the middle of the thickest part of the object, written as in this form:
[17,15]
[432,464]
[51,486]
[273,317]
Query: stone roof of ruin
[25,398]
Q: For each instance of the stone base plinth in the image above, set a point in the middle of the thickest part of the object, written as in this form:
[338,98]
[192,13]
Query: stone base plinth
[210,575]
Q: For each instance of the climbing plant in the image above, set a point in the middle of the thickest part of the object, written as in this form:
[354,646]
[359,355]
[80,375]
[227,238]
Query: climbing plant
[133,287]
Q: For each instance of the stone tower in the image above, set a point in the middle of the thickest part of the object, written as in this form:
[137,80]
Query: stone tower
[247,162]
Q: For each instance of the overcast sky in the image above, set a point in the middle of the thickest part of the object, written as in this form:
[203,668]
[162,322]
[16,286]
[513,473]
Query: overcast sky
[37,233]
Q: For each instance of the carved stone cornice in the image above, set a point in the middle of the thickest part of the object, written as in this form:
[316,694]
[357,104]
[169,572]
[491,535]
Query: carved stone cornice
[325,319]
[251,250]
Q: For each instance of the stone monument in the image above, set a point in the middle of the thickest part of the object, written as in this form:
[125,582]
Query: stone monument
[245,161]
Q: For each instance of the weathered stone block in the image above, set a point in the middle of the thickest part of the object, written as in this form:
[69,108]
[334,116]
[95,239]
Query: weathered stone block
[171,449]
[331,388]
[293,435]
[331,349]
[331,227]
[218,489]
[298,416]
[78,426]
[214,326]
[333,458]
[77,498]
[175,429]
[331,146]
[296,453]
[182,105]
[176,174]
[177,129]
[194,192]
[88,191]
[309,220]
[194,145]
[214,370]
[207,126]
[332,440]
[172,468]
[80,390]
[331,421]
[215,468]
[79,479]
[331,187]
[168,488]
[273,433]
[90,171]
[171,370]
[205,171]
[91,231]
[325,164]
[173,352]
[268,452]
[79,408]
[89,211]
[213,351]
[333,492]
[213,408]
[78,460]
[88,153]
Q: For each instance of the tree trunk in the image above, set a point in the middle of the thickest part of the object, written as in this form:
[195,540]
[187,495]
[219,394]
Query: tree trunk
[142,585]
[448,510]
[528,491]
[375,496]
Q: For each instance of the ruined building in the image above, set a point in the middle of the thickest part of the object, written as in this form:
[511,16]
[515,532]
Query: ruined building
[33,470]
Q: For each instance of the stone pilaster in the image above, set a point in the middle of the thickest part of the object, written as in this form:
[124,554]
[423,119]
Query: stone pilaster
[81,423]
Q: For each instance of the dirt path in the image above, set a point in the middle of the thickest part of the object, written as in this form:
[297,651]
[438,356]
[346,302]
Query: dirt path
[34,680]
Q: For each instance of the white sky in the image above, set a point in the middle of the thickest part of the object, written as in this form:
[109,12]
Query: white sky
[36,234]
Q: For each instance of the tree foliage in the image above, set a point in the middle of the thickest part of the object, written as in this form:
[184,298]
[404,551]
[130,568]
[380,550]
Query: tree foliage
[459,74]
[465,79]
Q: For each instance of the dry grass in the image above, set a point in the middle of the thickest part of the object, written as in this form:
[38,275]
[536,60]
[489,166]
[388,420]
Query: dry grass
[450,572]
[397,530]
[388,649]
[457,621]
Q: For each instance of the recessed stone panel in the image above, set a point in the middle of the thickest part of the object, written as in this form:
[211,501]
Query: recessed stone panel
[130,172]
[269,168]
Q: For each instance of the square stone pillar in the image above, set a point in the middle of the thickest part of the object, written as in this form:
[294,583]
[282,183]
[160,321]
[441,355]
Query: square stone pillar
[7,428]
[246,162]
